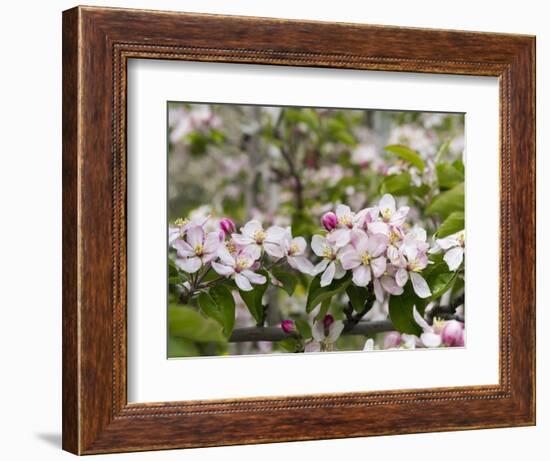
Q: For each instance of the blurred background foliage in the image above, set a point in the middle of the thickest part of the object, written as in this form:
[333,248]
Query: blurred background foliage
[287,166]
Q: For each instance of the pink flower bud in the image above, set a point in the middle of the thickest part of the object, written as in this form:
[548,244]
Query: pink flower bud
[329,221]
[328,320]
[392,340]
[452,333]
[287,326]
[227,226]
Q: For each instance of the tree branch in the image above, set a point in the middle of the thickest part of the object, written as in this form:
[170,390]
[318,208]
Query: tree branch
[277,334]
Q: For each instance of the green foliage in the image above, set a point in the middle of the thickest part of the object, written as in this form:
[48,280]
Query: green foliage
[357,296]
[452,224]
[253,299]
[186,323]
[407,154]
[447,202]
[220,305]
[317,294]
[303,328]
[448,175]
[288,280]
[396,184]
[181,347]
[289,345]
[401,311]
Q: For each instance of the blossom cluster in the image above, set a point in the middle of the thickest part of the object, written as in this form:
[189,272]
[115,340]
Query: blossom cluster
[375,244]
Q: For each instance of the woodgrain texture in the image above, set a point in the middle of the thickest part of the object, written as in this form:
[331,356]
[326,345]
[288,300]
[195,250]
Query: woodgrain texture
[97,42]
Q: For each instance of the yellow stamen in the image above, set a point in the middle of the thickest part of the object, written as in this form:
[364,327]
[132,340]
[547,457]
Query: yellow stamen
[294,249]
[180,222]
[242,263]
[199,249]
[365,259]
[259,236]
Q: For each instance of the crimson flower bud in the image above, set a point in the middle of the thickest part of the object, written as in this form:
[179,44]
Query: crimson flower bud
[452,333]
[287,326]
[227,226]
[329,221]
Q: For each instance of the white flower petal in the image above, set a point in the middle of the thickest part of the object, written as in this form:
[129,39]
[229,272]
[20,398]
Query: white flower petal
[195,236]
[255,278]
[189,265]
[222,269]
[328,275]
[318,243]
[454,258]
[361,276]
[242,282]
[420,286]
[335,330]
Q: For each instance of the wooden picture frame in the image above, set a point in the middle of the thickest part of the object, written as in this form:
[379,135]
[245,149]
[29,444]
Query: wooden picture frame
[97,43]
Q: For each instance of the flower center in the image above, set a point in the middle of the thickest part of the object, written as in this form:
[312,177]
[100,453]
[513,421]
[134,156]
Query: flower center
[293,249]
[199,249]
[365,259]
[461,239]
[180,222]
[394,236]
[414,266]
[259,236]
[231,247]
[346,221]
[242,263]
[386,214]
[328,253]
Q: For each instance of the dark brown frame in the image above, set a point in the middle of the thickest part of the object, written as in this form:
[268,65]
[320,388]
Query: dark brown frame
[97,43]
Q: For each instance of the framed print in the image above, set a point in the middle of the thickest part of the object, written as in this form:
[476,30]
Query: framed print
[282,230]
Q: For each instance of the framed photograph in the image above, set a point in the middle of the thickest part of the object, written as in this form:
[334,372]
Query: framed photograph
[282,230]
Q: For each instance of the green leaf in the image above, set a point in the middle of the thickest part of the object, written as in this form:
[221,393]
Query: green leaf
[303,328]
[289,344]
[407,154]
[317,294]
[325,305]
[253,299]
[447,202]
[448,175]
[440,280]
[396,184]
[452,224]
[185,322]
[401,311]
[288,280]
[357,296]
[226,306]
[442,151]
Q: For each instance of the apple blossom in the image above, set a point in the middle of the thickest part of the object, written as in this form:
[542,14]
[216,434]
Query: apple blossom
[239,266]
[391,214]
[253,234]
[364,256]
[294,249]
[325,332]
[330,266]
[410,263]
[452,333]
[453,245]
[197,249]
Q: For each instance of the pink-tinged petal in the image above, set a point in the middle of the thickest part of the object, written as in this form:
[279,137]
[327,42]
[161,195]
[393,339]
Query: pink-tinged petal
[242,282]
[343,211]
[361,276]
[350,259]
[378,291]
[391,286]
[422,259]
[359,240]
[222,269]
[339,272]
[257,279]
[339,238]
[335,330]
[378,227]
[328,275]
[251,227]
[401,277]
[378,266]
[387,202]
[392,340]
[400,215]
[377,245]
[454,258]
[189,265]
[302,264]
[318,243]
[420,286]
[321,266]
[212,242]
[312,346]
[318,331]
[421,321]
[274,250]
[252,252]
[447,242]
[225,256]
[301,245]
[195,236]
[183,248]
[275,234]
[393,255]
[452,333]
[430,339]
[241,239]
